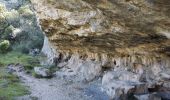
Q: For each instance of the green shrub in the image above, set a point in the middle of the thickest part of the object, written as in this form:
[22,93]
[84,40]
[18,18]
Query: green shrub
[53,68]
[9,29]
[25,46]
[7,32]
[3,22]
[12,17]
[4,46]
[37,42]
[25,50]
[2,8]
[25,11]
[36,75]
[17,57]
[10,86]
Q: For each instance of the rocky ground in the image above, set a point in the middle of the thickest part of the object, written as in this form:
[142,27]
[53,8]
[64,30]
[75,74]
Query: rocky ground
[124,86]
[58,89]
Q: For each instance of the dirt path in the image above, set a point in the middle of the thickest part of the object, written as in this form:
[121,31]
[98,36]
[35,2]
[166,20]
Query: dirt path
[59,89]
[52,89]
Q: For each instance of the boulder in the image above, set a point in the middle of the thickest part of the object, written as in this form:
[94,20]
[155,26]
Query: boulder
[164,95]
[42,72]
[120,84]
[148,97]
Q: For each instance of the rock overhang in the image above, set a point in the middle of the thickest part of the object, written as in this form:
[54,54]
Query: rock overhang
[105,25]
[91,38]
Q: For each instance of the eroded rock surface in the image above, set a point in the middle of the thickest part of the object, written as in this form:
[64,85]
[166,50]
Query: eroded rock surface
[130,39]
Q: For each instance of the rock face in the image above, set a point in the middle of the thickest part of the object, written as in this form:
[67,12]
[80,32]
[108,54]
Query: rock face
[125,41]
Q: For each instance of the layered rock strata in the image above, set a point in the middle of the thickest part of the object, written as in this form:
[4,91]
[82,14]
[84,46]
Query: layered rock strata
[127,42]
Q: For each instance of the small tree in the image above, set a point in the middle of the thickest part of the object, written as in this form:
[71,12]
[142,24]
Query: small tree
[4,46]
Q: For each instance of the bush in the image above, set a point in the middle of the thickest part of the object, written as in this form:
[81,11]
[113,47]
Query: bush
[10,86]
[8,31]
[36,75]
[2,8]
[25,11]
[18,58]
[25,50]
[12,17]
[37,42]
[3,22]
[4,46]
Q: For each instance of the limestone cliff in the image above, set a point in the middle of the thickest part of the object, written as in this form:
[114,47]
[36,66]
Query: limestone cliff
[96,36]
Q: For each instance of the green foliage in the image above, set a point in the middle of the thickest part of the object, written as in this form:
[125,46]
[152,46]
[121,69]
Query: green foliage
[16,57]
[9,29]
[36,75]
[30,36]
[26,42]
[37,42]
[2,8]
[12,17]
[53,68]
[7,32]
[3,22]
[4,46]
[10,86]
[21,47]
[25,11]
[25,50]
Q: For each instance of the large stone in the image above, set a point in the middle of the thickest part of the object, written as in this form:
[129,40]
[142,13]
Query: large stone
[120,84]
[42,72]
[148,97]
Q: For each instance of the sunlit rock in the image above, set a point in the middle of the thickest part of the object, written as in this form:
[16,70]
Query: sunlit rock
[89,38]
